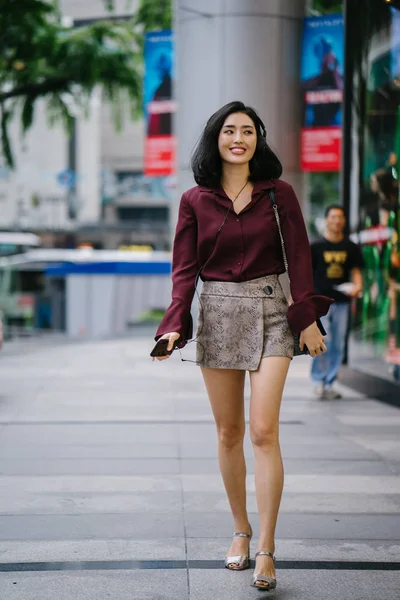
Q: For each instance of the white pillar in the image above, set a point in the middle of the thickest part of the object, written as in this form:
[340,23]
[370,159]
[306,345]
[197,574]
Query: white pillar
[88,165]
[246,50]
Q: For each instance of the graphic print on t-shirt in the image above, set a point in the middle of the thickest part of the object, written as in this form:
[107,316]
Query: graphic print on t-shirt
[332,266]
[335,261]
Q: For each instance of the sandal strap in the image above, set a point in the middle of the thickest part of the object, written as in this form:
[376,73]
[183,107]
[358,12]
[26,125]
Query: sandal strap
[264,553]
[241,534]
[264,578]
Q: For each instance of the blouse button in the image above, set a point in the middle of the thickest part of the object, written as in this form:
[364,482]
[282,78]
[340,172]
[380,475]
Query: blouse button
[237,220]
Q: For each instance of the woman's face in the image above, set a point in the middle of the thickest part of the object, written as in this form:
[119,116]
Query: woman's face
[237,139]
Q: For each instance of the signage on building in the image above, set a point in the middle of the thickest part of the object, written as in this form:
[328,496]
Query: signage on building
[322,87]
[132,187]
[66,179]
[159,152]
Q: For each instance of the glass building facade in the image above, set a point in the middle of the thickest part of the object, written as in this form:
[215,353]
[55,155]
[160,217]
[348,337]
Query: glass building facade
[376,323]
[373,206]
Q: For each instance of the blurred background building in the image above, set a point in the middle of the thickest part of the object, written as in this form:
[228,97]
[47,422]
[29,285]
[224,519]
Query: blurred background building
[357,96]
[325,77]
[90,186]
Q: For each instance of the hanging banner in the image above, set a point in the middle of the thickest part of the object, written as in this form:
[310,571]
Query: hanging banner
[322,86]
[159,106]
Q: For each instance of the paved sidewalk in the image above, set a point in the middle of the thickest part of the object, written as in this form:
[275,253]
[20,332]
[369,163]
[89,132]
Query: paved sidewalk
[109,484]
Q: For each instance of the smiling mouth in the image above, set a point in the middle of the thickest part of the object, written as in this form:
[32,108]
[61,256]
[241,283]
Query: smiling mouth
[238,151]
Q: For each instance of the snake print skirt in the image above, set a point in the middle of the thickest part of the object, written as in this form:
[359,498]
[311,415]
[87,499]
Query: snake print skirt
[241,323]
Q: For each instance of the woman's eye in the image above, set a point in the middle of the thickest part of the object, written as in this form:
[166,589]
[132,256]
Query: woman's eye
[228,131]
[249,132]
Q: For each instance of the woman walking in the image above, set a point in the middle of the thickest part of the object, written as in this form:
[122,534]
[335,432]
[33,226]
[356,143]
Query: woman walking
[228,234]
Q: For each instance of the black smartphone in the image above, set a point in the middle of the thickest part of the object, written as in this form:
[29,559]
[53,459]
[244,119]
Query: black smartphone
[160,349]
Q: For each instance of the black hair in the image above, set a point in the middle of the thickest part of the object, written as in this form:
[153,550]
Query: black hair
[386,182]
[334,207]
[206,161]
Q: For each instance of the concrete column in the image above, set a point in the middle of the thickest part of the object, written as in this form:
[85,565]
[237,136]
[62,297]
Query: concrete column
[88,165]
[239,50]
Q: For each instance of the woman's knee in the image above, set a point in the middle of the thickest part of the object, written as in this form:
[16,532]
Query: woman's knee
[264,435]
[230,435]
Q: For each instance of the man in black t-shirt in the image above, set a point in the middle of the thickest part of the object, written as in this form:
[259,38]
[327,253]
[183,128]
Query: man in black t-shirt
[337,264]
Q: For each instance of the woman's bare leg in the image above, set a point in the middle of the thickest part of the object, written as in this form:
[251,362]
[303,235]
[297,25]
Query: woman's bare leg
[225,389]
[266,393]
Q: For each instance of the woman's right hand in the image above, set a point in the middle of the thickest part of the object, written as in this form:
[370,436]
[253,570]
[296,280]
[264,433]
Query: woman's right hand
[172,337]
[313,339]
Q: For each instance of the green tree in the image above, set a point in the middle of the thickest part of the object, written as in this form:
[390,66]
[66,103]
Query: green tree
[325,7]
[151,15]
[41,58]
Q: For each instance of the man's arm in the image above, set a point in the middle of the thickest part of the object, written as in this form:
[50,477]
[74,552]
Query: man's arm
[357,279]
[356,266]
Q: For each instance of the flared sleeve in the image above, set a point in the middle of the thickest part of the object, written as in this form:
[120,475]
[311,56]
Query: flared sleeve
[184,269]
[307,306]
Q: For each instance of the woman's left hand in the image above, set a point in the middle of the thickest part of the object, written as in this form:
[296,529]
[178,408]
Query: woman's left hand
[313,339]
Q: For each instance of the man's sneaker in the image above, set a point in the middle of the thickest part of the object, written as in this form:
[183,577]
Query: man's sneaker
[319,391]
[331,394]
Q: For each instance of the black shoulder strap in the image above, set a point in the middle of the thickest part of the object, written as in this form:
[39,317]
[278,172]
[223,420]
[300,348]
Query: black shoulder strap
[271,194]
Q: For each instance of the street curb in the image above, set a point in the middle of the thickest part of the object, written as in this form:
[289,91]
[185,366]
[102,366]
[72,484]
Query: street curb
[372,386]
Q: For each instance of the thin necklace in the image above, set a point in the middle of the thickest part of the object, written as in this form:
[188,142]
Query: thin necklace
[237,195]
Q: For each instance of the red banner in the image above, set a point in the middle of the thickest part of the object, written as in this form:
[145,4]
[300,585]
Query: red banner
[159,155]
[321,148]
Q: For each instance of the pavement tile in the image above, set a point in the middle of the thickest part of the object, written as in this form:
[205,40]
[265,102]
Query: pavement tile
[95,585]
[299,466]
[87,550]
[116,451]
[150,525]
[19,503]
[302,503]
[90,467]
[106,456]
[89,485]
[305,483]
[302,550]
[292,585]
[302,526]
[87,433]
[343,449]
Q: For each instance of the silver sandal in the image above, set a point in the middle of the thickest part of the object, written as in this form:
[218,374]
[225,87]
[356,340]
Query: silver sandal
[271,581]
[241,562]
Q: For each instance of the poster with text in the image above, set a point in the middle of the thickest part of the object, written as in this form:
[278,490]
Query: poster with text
[159,104]
[322,89]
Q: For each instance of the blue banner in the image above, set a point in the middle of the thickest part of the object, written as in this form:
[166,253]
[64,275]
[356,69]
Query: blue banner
[158,57]
[322,70]
[159,105]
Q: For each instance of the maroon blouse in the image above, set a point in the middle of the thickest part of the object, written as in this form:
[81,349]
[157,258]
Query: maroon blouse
[247,247]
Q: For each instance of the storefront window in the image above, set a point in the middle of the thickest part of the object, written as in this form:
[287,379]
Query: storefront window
[376,333]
